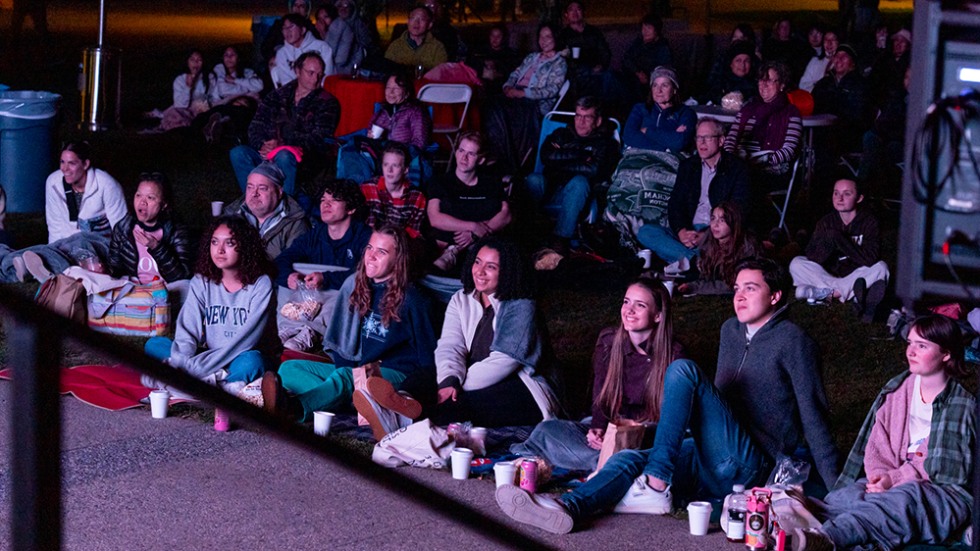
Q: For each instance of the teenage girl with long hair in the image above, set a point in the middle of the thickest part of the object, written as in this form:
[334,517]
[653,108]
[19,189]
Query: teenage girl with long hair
[222,331]
[629,362]
[380,317]
[725,243]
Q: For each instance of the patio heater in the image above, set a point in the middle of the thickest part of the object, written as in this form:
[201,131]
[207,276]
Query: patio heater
[100,82]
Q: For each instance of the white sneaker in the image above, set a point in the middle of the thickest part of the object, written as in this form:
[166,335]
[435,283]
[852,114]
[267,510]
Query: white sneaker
[20,269]
[812,293]
[382,420]
[643,499]
[301,341]
[447,260]
[35,265]
[539,510]
[234,388]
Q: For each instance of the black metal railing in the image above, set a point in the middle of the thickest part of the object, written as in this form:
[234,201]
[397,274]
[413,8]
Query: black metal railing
[34,337]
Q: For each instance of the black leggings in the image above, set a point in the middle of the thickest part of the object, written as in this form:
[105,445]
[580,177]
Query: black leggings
[507,403]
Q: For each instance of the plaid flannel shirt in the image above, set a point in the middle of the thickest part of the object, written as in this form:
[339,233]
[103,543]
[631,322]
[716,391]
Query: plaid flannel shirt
[951,435]
[407,211]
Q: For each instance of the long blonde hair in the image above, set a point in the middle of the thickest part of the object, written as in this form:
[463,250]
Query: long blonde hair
[660,350]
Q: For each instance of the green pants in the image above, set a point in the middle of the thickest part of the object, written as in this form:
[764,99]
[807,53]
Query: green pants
[323,386]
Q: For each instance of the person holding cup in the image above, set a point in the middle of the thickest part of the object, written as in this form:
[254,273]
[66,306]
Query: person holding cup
[400,118]
[490,360]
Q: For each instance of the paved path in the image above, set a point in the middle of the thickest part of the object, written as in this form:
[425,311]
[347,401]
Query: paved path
[132,482]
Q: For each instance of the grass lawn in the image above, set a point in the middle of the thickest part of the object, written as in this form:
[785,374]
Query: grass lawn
[858,358]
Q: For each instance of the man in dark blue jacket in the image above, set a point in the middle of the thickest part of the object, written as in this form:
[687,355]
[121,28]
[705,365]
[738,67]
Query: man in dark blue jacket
[338,241]
[703,182]
[576,160]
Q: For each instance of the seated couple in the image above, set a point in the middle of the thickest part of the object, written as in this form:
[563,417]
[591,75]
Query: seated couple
[768,401]
[482,371]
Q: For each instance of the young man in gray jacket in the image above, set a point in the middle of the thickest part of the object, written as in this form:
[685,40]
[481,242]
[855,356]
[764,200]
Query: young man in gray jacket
[769,402]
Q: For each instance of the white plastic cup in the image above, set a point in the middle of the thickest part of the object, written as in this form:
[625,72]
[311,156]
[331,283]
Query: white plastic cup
[699,513]
[216,208]
[159,402]
[321,422]
[647,256]
[376,131]
[461,458]
[576,52]
[504,473]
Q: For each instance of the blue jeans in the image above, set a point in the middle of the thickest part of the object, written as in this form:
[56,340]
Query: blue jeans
[663,242]
[57,256]
[244,159]
[571,199]
[719,455]
[247,366]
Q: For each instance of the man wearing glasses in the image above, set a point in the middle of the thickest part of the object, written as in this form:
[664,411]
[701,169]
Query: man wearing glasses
[703,182]
[576,161]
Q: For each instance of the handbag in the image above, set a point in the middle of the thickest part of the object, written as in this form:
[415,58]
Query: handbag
[420,444]
[621,435]
[63,296]
[135,309]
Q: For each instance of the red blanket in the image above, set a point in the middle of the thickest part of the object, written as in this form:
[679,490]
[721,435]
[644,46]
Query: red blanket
[114,388]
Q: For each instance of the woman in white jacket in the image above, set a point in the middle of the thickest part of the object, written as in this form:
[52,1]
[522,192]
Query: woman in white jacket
[81,198]
[488,358]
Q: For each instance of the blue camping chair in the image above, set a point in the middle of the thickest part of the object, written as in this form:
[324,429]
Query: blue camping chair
[551,122]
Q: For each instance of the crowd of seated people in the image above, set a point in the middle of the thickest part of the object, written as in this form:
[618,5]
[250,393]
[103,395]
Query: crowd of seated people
[371,235]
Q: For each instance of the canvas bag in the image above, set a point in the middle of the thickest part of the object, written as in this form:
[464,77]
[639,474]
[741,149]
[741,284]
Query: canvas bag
[63,296]
[420,444]
[621,435]
[135,309]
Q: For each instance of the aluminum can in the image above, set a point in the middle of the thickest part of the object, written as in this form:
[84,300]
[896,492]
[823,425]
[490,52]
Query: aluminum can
[529,475]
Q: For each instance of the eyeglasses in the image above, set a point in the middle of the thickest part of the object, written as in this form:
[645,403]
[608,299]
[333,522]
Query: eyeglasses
[703,139]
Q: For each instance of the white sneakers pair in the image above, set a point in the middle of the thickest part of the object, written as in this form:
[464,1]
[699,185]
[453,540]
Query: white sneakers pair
[550,514]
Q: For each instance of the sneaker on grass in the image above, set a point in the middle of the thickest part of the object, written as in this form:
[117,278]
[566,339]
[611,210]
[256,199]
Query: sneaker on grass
[538,510]
[643,499]
[815,294]
[381,419]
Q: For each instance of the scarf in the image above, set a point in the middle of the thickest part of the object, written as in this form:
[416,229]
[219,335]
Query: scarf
[771,121]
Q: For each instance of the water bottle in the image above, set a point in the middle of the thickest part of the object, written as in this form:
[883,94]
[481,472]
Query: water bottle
[736,505]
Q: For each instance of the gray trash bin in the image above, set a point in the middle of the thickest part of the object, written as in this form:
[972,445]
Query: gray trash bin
[27,121]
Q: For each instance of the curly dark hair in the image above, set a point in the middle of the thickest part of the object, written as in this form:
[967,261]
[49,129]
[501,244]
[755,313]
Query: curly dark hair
[514,279]
[252,260]
[395,287]
[345,190]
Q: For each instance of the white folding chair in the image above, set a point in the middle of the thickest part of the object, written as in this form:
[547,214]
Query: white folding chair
[561,94]
[448,94]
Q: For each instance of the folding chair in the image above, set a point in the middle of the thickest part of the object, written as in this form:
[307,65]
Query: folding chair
[561,95]
[448,94]
[788,193]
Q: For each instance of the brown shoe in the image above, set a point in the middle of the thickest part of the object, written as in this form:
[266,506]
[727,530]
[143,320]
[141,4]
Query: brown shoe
[272,393]
[385,394]
[363,405]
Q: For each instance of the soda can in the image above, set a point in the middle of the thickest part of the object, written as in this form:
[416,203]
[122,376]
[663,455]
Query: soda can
[222,423]
[529,475]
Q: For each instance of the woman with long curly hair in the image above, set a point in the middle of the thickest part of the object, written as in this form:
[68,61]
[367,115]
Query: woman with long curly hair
[489,359]
[222,327]
[380,317]
[725,243]
[629,364]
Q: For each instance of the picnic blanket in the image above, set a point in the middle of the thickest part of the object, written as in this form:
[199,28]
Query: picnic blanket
[112,388]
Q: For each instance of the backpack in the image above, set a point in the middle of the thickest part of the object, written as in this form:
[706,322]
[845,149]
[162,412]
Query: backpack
[63,296]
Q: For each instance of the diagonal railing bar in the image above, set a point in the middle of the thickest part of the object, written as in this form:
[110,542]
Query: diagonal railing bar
[28,313]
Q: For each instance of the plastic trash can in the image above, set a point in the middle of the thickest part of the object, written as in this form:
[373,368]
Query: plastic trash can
[27,121]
